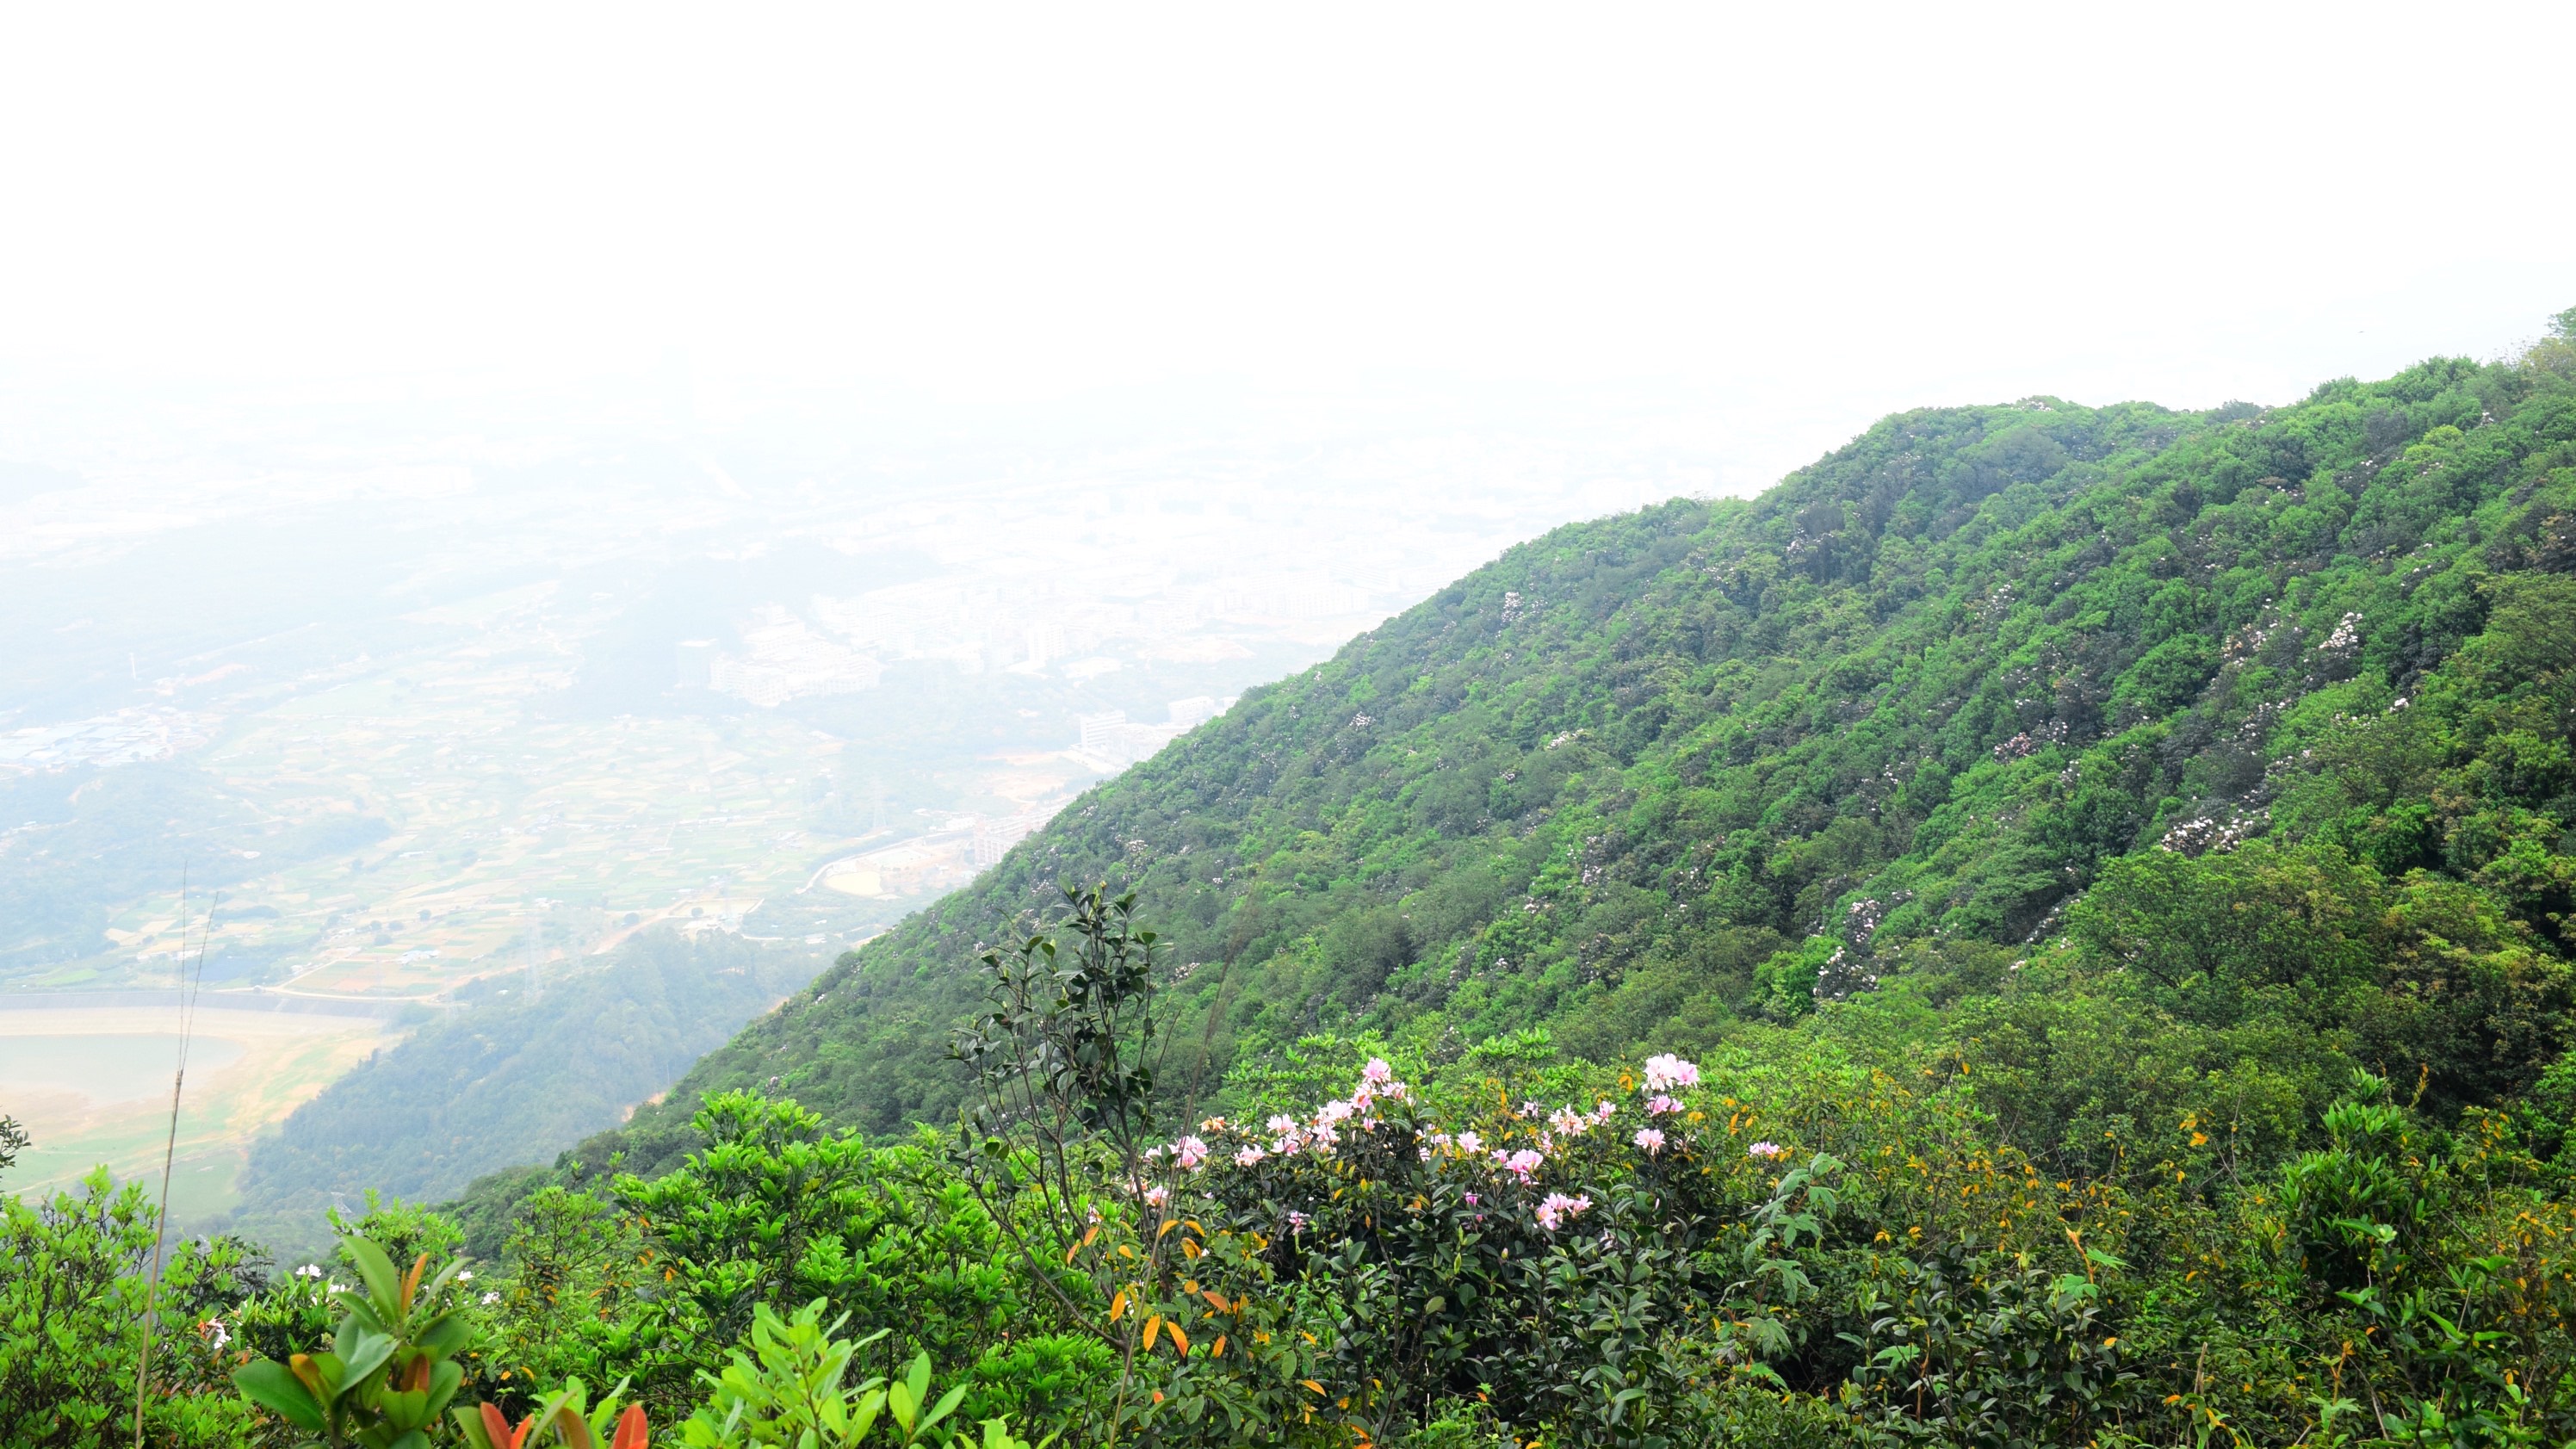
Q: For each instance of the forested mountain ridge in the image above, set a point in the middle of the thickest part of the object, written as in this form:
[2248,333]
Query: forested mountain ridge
[1646,779]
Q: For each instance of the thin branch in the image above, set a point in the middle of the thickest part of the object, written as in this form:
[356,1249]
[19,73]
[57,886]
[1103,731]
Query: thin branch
[187,1000]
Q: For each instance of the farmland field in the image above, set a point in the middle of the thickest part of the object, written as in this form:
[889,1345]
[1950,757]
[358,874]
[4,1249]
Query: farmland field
[92,1086]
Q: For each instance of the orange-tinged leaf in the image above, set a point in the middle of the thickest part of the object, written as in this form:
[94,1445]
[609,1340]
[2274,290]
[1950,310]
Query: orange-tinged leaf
[411,1282]
[1214,1297]
[1118,1306]
[1310,1383]
[496,1427]
[1180,1340]
[632,1432]
[1217,1349]
[301,1365]
[1153,1326]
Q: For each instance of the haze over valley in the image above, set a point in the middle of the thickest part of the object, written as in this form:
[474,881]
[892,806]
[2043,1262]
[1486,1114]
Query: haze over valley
[376,737]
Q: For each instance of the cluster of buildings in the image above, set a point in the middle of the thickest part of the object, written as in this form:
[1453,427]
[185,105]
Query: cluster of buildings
[1035,621]
[122,738]
[1028,622]
[781,659]
[1110,741]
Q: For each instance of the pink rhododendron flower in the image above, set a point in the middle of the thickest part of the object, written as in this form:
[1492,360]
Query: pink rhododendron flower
[1568,1121]
[1189,1152]
[1332,1112]
[1471,1199]
[1470,1142]
[1531,1109]
[1377,1072]
[1659,1105]
[1766,1149]
[1604,1112]
[1283,1123]
[1297,1221]
[1651,1140]
[1666,1072]
[1250,1156]
[1521,1163]
[1157,1195]
[1557,1207]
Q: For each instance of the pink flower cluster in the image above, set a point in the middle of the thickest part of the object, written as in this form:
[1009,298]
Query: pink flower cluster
[1323,1132]
[1521,1163]
[1571,1123]
[1556,1207]
[1664,1073]
[1651,1140]
[1766,1150]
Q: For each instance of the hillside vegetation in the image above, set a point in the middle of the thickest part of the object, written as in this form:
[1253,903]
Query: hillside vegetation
[2052,927]
[1650,780]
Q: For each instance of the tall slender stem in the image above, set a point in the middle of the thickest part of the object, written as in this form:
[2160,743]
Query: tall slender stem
[170,1147]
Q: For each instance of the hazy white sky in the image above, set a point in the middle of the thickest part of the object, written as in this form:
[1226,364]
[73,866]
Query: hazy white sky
[1833,210]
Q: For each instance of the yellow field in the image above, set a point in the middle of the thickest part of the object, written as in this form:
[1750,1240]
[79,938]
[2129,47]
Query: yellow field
[92,1085]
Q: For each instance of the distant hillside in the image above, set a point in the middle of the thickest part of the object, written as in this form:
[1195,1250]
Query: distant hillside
[1650,777]
[508,1081]
[87,841]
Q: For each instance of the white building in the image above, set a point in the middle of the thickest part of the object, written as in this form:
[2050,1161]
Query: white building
[784,660]
[1098,730]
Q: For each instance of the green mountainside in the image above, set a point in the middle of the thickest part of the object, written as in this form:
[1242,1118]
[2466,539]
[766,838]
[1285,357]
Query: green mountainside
[506,1081]
[2280,688]
[2051,927]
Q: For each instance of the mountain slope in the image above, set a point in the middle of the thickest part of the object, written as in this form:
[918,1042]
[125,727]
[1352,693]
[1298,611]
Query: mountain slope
[506,1080]
[1649,777]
